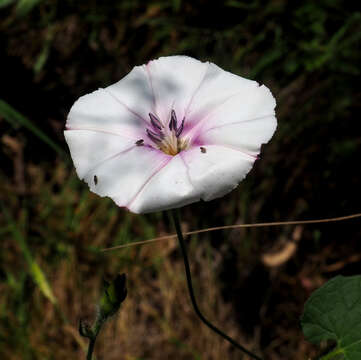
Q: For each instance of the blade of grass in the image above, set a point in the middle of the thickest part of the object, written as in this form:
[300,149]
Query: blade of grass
[45,52]
[35,271]
[16,120]
[23,7]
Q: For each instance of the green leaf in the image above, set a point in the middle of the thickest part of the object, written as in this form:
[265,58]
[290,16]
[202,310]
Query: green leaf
[333,312]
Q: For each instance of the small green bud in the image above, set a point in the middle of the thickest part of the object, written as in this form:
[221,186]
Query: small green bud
[114,294]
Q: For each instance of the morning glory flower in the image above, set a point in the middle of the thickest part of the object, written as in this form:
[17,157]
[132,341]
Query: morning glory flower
[170,133]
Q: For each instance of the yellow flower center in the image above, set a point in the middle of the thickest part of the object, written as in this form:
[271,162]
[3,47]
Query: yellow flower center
[172,145]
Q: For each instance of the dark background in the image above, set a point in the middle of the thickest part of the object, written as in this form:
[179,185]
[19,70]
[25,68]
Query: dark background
[251,282]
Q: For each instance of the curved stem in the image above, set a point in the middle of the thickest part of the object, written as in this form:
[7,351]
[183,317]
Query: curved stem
[191,292]
[90,349]
[95,331]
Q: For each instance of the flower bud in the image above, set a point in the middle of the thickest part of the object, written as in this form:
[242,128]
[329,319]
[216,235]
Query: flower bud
[114,294]
[85,329]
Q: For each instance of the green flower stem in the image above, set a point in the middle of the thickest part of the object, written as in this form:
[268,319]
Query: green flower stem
[114,294]
[191,292]
[90,349]
[95,331]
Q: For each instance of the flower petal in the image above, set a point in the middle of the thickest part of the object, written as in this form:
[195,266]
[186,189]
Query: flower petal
[170,187]
[226,98]
[134,92]
[247,136]
[100,111]
[214,170]
[124,174]
[90,148]
[174,81]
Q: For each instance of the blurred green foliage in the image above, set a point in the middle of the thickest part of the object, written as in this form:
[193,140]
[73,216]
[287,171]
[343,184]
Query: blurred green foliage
[54,51]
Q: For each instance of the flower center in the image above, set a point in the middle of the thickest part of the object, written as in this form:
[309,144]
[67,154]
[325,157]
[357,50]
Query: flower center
[167,139]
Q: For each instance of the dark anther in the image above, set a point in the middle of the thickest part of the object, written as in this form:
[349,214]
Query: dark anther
[139,142]
[95,180]
[154,137]
[180,129]
[203,149]
[173,121]
[155,121]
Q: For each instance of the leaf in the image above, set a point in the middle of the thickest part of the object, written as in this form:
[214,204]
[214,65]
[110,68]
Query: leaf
[333,312]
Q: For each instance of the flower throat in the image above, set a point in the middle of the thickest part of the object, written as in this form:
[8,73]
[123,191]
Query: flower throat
[167,139]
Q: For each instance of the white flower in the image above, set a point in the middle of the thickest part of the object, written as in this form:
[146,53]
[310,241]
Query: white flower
[170,133]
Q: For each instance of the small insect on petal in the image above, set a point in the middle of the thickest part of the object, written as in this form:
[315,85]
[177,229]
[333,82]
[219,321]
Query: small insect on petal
[95,180]
[139,142]
[203,149]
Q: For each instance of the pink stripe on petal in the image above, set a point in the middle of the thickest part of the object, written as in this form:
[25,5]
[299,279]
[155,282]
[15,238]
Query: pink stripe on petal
[147,67]
[187,167]
[160,167]
[236,149]
[125,106]
[110,158]
[239,122]
[123,134]
[196,91]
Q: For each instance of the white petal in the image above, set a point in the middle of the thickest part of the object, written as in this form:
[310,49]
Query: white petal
[247,136]
[90,148]
[244,106]
[134,91]
[169,188]
[101,111]
[226,98]
[123,175]
[217,171]
[174,80]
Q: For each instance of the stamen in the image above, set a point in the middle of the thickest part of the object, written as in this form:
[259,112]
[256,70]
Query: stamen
[180,129]
[155,121]
[139,142]
[154,137]
[170,141]
[173,121]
